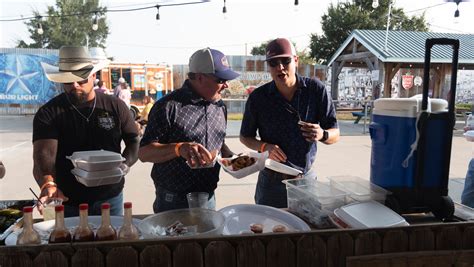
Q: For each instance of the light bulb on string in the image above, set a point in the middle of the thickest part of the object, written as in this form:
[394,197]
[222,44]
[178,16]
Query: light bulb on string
[296,6]
[39,30]
[39,27]
[224,11]
[375,3]
[95,24]
[158,23]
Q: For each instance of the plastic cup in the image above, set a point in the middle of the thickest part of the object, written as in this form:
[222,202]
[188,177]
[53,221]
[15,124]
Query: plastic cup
[198,199]
[48,210]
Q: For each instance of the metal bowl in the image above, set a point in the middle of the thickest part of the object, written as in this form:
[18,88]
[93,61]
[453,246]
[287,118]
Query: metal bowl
[207,222]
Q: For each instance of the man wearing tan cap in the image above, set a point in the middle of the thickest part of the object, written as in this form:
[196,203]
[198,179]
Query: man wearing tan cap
[291,114]
[80,120]
[185,131]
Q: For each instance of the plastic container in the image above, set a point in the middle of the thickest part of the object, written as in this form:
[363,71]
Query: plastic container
[98,178]
[358,189]
[369,214]
[313,200]
[207,222]
[96,160]
[393,131]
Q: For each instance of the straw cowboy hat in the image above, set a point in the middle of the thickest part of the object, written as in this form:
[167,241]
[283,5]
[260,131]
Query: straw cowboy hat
[75,64]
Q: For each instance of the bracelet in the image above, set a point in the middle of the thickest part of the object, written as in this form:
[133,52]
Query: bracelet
[262,147]
[45,185]
[176,149]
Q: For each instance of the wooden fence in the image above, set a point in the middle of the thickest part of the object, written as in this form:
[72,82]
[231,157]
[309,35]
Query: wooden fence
[448,244]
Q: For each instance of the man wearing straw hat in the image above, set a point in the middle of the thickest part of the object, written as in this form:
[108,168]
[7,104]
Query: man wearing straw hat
[79,120]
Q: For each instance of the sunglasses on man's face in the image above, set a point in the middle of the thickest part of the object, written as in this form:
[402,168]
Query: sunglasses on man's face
[277,61]
[218,80]
[80,82]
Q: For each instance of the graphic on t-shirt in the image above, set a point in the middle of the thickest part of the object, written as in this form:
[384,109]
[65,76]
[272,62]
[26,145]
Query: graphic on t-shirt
[106,121]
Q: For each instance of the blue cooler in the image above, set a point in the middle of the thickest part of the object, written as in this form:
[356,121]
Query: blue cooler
[393,164]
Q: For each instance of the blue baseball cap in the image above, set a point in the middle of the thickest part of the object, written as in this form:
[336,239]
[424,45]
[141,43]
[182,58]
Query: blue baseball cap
[211,61]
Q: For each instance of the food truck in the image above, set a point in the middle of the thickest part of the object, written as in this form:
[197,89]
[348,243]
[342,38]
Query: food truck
[155,80]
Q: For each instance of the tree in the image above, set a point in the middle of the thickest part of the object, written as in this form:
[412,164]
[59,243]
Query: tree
[259,50]
[69,23]
[341,19]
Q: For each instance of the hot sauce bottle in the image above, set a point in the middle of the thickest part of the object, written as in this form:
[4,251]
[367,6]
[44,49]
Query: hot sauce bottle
[106,231]
[29,235]
[60,233]
[128,231]
[83,232]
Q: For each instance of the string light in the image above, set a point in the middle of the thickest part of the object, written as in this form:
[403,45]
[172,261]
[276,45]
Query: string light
[108,10]
[157,12]
[39,29]
[224,9]
[375,3]
[95,25]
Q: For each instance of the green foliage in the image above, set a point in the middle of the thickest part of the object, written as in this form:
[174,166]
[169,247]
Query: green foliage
[341,19]
[69,23]
[259,50]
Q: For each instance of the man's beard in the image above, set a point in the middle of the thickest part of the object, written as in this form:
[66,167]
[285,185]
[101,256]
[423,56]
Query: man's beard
[76,99]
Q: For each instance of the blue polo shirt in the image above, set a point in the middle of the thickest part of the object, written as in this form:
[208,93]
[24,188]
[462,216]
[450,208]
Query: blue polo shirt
[276,119]
[183,116]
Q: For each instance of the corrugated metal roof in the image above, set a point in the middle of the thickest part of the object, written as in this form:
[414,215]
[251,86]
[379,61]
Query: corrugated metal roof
[409,46]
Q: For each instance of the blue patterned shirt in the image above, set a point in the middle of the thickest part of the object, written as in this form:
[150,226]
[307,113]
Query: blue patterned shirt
[276,118]
[183,116]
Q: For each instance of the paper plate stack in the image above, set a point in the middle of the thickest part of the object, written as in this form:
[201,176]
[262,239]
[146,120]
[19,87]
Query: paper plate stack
[97,167]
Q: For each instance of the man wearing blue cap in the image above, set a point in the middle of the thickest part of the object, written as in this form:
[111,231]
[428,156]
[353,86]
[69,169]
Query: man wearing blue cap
[185,131]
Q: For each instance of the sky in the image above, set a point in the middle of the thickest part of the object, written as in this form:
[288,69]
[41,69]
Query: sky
[137,37]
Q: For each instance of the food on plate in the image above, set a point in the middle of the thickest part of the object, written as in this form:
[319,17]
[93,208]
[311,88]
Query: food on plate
[256,228]
[279,228]
[239,162]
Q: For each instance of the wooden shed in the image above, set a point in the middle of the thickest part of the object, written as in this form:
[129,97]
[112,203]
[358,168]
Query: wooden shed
[385,53]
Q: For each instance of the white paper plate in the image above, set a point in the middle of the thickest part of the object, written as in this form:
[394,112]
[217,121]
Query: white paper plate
[240,217]
[46,227]
[281,168]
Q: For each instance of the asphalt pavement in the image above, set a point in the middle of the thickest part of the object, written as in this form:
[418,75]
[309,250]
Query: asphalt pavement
[350,156]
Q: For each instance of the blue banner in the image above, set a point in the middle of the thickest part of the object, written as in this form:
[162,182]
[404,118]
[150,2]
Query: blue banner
[22,79]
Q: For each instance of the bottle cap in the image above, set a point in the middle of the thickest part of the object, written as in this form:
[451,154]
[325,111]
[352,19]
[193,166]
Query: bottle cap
[127,205]
[28,209]
[59,208]
[83,206]
[105,205]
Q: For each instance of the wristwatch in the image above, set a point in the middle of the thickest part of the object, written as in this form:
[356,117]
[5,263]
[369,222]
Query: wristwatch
[325,136]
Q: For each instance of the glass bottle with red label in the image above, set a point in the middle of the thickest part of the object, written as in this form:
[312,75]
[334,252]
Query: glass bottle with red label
[60,233]
[83,232]
[128,231]
[29,235]
[106,231]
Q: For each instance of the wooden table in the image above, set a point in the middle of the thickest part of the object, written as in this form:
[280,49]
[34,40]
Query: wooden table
[433,244]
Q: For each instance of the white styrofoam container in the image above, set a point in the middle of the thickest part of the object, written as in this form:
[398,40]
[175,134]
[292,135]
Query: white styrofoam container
[313,200]
[358,189]
[369,214]
[98,178]
[96,160]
